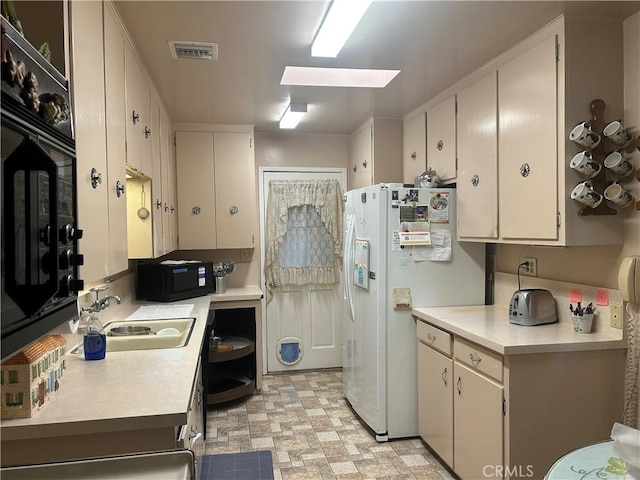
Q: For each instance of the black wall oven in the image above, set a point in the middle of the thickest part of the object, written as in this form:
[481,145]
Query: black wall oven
[39,234]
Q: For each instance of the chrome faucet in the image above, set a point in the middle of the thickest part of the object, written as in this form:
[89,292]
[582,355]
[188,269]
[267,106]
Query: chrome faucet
[103,303]
[100,303]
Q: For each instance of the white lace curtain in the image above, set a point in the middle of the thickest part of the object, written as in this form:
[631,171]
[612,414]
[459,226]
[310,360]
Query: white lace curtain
[304,232]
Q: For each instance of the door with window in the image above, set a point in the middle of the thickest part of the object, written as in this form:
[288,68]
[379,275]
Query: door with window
[301,268]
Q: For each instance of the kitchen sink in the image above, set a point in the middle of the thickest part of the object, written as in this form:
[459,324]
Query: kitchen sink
[174,333]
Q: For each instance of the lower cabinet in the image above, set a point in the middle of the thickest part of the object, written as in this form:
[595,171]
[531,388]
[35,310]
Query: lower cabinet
[235,363]
[435,397]
[191,435]
[460,409]
[478,424]
[489,415]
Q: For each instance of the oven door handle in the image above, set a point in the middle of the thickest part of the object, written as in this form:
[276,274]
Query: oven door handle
[36,281]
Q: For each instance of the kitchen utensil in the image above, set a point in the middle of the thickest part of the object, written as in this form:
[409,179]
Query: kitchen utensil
[534,306]
[427,179]
[130,330]
[143,212]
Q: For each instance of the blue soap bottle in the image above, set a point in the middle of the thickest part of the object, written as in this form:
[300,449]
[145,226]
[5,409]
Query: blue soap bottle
[94,340]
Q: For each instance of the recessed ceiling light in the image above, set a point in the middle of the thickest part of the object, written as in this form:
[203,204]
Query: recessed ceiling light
[337,77]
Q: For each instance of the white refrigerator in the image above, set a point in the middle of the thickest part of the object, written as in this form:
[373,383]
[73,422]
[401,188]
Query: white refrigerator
[400,251]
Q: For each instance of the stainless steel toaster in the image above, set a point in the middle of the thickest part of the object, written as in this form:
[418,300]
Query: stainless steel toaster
[534,306]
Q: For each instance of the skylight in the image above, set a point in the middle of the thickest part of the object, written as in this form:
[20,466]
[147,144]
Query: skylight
[337,77]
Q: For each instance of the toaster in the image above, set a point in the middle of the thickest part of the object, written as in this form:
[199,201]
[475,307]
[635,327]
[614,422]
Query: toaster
[534,306]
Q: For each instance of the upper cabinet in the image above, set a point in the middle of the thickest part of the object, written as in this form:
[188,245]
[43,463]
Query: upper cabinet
[414,151]
[108,86]
[441,139]
[510,137]
[216,190]
[477,141]
[527,144]
[139,118]
[376,152]
[99,132]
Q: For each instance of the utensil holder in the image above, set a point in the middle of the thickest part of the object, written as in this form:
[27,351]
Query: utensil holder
[582,323]
[221,284]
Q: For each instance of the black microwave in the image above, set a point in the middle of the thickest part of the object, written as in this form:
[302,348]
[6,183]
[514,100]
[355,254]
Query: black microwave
[174,280]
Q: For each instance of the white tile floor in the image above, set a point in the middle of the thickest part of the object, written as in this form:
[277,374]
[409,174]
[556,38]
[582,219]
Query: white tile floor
[303,419]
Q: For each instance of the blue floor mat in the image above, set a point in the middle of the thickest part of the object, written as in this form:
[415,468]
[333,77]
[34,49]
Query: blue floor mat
[237,466]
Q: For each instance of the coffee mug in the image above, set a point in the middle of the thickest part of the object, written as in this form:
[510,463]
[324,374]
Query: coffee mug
[584,193]
[584,163]
[617,133]
[618,195]
[616,163]
[583,135]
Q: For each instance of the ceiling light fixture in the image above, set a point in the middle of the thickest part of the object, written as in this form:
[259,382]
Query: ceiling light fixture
[292,115]
[337,26]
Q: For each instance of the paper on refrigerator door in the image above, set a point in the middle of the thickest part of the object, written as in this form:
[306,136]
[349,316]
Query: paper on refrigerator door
[361,264]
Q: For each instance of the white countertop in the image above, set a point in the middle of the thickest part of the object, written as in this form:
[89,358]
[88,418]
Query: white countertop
[488,326]
[128,390]
[237,294]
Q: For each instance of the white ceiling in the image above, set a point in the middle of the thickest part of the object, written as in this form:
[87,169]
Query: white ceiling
[434,43]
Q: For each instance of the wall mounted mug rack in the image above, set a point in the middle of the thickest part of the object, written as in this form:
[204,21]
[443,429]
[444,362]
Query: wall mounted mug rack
[598,153]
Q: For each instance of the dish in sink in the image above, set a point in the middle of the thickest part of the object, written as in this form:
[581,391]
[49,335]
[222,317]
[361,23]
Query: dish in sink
[176,333]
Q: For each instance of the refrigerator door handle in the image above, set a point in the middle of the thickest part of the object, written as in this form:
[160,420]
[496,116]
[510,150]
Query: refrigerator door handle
[348,259]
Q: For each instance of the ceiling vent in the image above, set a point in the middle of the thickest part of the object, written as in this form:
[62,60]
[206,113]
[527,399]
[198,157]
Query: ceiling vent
[195,50]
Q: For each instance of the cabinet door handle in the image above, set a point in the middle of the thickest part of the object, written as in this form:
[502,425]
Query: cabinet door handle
[431,338]
[233,210]
[96,178]
[196,210]
[440,145]
[475,180]
[475,358]
[364,164]
[135,116]
[158,204]
[355,168]
[459,385]
[444,376]
[119,189]
[147,132]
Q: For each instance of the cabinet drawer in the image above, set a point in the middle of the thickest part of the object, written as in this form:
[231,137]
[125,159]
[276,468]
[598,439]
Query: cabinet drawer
[434,337]
[478,358]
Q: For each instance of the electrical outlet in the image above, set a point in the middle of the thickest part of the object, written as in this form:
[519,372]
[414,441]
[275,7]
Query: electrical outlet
[615,312]
[531,269]
[245,255]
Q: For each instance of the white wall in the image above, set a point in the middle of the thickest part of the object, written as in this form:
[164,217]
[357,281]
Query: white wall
[292,149]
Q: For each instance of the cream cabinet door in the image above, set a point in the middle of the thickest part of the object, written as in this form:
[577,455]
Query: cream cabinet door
[235,199]
[478,429]
[195,183]
[435,401]
[527,144]
[116,139]
[159,213]
[361,159]
[441,138]
[477,138]
[414,157]
[167,190]
[138,115]
[88,91]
